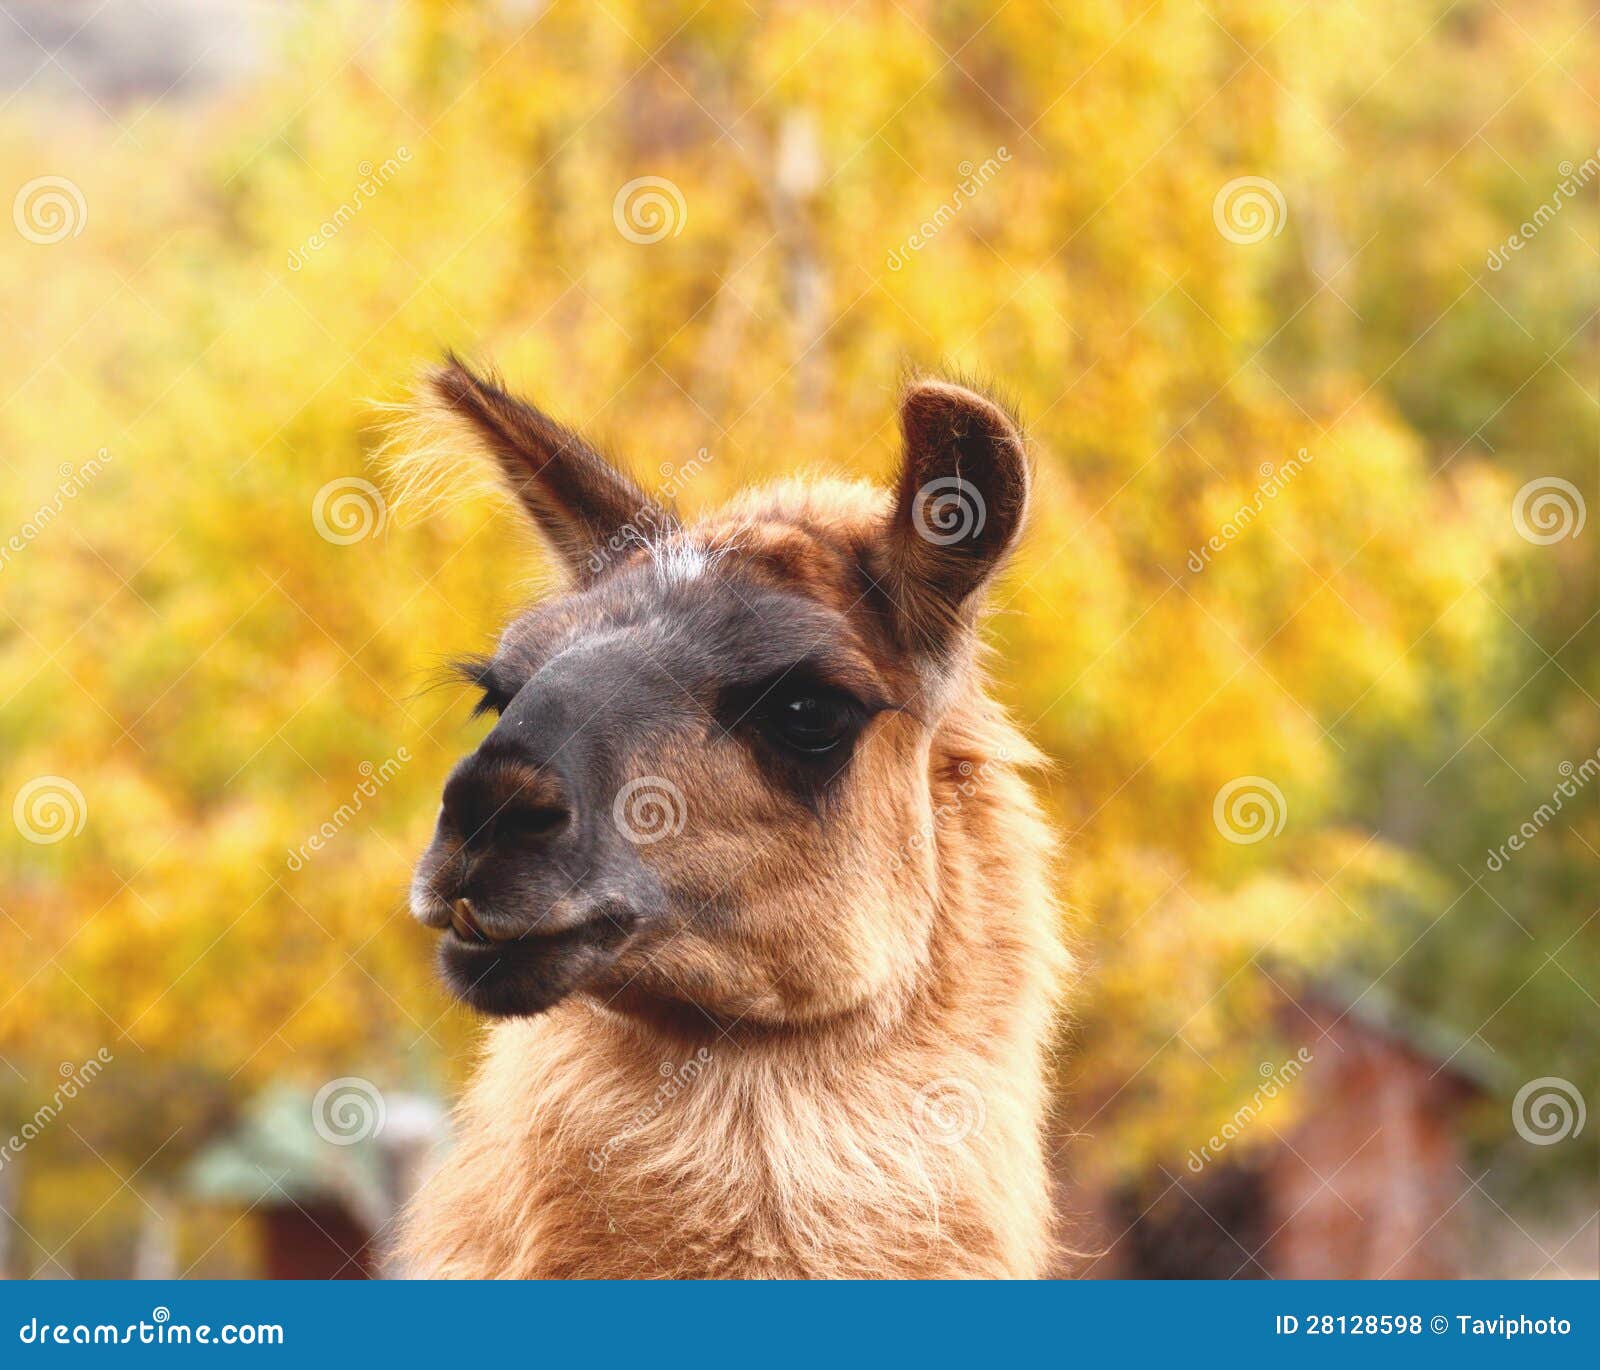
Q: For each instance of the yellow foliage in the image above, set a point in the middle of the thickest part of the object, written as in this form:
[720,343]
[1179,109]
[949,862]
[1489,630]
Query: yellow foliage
[213,673]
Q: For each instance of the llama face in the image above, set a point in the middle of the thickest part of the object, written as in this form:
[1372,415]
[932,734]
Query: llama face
[706,790]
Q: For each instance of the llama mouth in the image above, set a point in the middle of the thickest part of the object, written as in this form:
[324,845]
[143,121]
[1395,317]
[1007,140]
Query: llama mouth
[464,923]
[522,976]
[467,925]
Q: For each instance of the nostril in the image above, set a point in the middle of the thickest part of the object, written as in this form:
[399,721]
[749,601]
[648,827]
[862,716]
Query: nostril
[518,824]
[501,799]
[462,811]
[501,807]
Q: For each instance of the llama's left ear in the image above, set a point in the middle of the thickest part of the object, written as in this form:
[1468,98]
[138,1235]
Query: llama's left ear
[584,507]
[958,507]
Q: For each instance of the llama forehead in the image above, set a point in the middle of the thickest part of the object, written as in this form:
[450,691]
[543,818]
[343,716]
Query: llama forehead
[711,618]
[689,573]
[773,579]
[681,559]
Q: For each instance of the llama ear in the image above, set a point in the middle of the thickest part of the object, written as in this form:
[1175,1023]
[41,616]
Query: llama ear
[582,505]
[958,508]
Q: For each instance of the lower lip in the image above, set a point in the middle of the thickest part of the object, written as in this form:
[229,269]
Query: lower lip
[533,941]
[455,939]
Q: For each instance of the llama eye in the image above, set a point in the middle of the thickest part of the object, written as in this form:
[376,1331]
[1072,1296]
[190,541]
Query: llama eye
[810,720]
[493,702]
[494,694]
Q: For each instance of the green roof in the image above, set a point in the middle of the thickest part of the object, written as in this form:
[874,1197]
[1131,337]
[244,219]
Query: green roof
[276,1155]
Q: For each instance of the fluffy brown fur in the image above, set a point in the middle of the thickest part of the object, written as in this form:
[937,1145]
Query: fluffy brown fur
[844,1076]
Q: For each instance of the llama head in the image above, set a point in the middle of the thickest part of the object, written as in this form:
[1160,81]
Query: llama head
[707,794]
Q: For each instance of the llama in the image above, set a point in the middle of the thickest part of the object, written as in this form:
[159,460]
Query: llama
[749,879]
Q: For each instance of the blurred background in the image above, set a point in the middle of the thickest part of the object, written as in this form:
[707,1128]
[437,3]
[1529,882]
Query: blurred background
[1299,301]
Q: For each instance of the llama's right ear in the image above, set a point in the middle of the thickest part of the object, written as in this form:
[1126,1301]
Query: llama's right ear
[958,507]
[582,505]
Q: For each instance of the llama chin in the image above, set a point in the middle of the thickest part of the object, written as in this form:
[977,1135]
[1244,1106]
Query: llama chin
[748,803]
